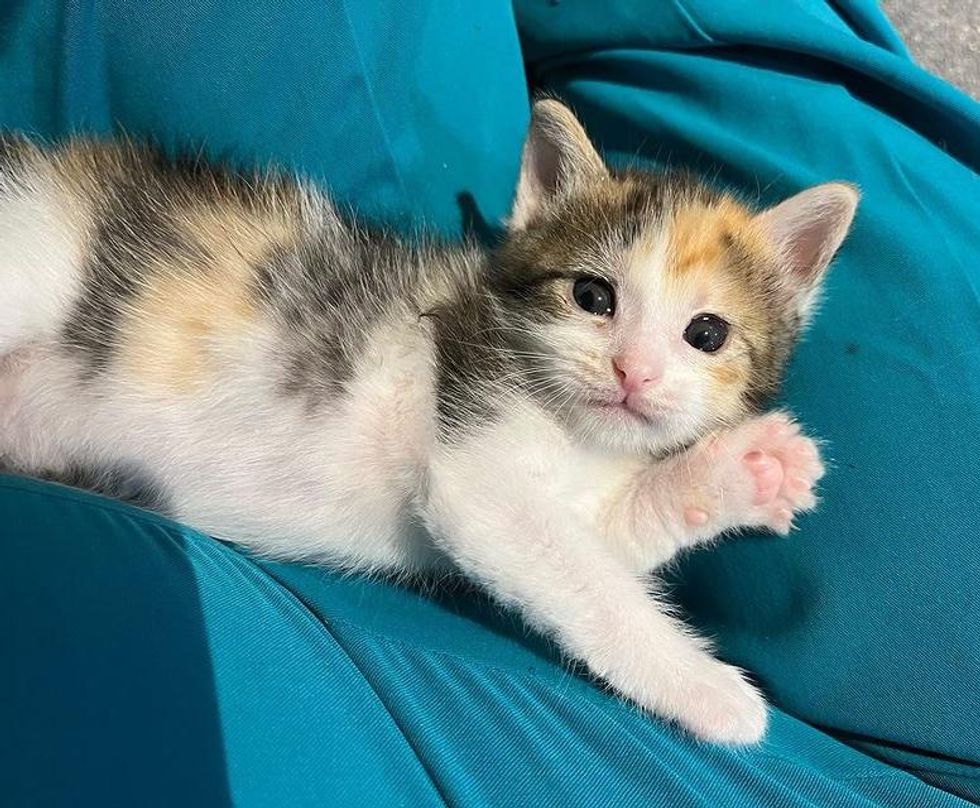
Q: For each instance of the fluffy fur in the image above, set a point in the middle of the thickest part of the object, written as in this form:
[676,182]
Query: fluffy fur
[274,374]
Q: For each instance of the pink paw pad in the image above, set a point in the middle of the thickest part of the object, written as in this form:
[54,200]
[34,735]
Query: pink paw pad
[768,474]
[695,517]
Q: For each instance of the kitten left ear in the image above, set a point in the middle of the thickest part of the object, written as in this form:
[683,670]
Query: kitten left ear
[558,157]
[807,230]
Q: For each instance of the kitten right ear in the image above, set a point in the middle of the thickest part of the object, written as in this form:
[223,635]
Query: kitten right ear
[806,231]
[557,157]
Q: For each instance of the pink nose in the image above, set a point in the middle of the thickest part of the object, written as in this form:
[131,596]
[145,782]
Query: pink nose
[635,375]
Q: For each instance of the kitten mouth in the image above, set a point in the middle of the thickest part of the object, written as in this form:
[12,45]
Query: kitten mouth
[622,407]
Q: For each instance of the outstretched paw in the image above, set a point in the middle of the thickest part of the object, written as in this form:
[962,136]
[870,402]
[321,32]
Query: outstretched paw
[762,473]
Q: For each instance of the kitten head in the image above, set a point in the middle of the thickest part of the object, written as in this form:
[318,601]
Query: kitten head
[646,308]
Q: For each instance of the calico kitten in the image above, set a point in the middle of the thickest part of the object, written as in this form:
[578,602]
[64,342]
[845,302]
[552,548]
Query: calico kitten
[555,418]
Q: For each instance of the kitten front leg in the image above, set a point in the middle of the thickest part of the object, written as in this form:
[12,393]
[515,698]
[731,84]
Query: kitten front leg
[759,474]
[504,527]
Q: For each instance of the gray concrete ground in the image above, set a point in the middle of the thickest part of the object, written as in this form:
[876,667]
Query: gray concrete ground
[944,37]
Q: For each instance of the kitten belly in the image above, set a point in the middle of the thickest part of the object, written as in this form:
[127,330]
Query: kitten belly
[238,458]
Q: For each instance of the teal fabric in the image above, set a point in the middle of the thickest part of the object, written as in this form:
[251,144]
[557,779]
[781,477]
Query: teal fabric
[149,665]
[406,117]
[866,622]
[145,664]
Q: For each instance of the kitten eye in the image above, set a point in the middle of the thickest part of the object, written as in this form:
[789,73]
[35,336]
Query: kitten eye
[594,296]
[706,332]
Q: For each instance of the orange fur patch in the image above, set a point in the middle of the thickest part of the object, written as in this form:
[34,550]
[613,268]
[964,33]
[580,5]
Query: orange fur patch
[726,375]
[699,237]
[184,324]
[698,233]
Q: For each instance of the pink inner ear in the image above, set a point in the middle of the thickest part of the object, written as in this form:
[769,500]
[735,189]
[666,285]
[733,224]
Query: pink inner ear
[806,246]
[808,228]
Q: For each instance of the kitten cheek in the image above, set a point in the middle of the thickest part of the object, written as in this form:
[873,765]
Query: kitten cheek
[698,409]
[726,375]
[725,387]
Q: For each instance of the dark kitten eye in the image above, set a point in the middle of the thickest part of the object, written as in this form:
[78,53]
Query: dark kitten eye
[594,296]
[706,332]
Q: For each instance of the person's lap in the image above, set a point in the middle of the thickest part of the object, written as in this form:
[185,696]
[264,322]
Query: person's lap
[158,652]
[154,666]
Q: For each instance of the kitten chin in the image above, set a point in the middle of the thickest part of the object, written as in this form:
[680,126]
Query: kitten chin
[613,429]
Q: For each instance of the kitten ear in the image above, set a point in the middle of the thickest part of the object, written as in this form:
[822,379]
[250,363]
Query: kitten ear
[807,230]
[557,156]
